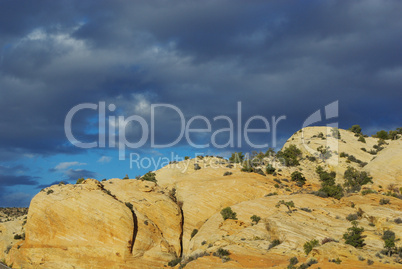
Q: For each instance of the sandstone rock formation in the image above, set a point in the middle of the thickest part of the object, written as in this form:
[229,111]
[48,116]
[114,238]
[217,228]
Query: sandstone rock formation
[139,224]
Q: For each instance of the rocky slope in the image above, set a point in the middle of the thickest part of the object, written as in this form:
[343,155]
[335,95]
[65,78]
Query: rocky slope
[139,224]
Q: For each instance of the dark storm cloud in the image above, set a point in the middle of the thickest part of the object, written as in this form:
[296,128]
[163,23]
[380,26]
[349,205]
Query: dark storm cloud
[11,176]
[277,57]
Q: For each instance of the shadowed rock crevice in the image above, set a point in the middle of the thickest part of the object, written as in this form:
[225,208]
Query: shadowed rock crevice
[181,232]
[135,220]
[135,231]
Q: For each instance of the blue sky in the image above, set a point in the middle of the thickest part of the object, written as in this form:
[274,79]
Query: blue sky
[277,58]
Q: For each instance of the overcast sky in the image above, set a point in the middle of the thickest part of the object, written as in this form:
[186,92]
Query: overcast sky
[278,58]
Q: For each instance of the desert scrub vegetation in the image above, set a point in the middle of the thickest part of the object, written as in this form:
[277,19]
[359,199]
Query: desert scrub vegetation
[19,236]
[269,169]
[384,201]
[389,243]
[227,213]
[289,205]
[298,178]
[274,243]
[325,152]
[361,139]
[236,157]
[398,221]
[352,217]
[309,245]
[80,180]
[49,192]
[351,158]
[150,176]
[368,191]
[290,156]
[328,186]
[227,173]
[355,179]
[223,254]
[255,219]
[354,236]
[335,133]
[194,232]
[292,262]
[174,262]
[356,129]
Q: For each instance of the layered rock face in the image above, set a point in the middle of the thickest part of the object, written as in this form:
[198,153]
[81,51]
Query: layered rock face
[139,224]
[88,226]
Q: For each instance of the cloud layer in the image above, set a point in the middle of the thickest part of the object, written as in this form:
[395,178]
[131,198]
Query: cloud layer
[276,57]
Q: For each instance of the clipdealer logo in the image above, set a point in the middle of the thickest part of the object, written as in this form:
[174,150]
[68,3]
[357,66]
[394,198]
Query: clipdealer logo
[118,124]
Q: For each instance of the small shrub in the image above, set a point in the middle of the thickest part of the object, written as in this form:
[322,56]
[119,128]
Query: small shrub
[288,204]
[277,186]
[255,218]
[8,249]
[150,176]
[271,194]
[17,237]
[368,191]
[80,180]
[337,261]
[227,173]
[389,242]
[335,133]
[398,220]
[311,158]
[220,252]
[354,236]
[61,183]
[270,170]
[277,180]
[384,201]
[194,232]
[370,262]
[361,139]
[274,243]
[293,261]
[298,177]
[174,262]
[126,177]
[306,209]
[309,245]
[355,178]
[290,155]
[49,192]
[197,166]
[320,193]
[259,171]
[227,213]
[335,191]
[308,264]
[355,129]
[236,157]
[186,158]
[352,217]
